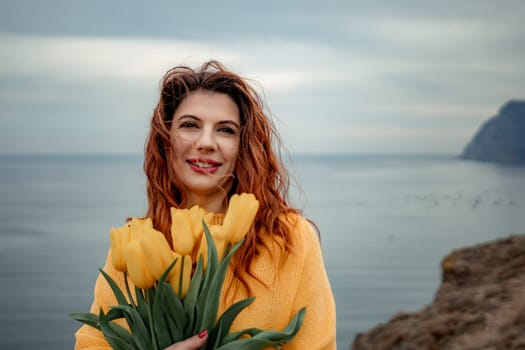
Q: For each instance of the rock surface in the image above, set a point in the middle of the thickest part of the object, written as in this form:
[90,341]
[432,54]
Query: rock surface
[479,305]
[501,138]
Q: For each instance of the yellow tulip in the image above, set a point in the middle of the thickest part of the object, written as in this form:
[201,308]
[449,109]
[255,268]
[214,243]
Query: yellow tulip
[239,216]
[219,239]
[181,234]
[137,268]
[181,278]
[139,227]
[202,252]
[220,244]
[196,214]
[157,252]
[119,239]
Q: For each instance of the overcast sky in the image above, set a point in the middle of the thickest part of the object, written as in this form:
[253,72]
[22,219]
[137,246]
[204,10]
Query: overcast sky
[339,76]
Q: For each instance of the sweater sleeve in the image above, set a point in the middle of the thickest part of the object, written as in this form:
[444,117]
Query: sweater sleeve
[318,331]
[87,337]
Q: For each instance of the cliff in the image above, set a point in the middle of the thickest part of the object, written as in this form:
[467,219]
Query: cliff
[479,305]
[501,138]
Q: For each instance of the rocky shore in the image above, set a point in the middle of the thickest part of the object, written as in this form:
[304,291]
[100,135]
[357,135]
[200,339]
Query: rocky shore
[479,305]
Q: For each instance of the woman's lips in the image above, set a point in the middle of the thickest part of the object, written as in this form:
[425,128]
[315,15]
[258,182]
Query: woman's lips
[203,166]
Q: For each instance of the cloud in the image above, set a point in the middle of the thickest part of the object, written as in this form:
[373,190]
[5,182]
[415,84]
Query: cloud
[88,59]
[84,60]
[377,75]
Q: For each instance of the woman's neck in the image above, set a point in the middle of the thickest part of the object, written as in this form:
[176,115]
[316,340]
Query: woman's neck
[211,203]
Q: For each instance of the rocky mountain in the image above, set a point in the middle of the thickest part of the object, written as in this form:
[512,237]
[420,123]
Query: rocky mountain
[502,137]
[480,305]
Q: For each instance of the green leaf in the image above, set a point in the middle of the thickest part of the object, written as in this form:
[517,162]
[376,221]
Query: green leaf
[168,270]
[114,314]
[166,331]
[226,319]
[261,339]
[128,291]
[213,259]
[289,332]
[117,313]
[211,300]
[142,306]
[191,297]
[150,296]
[160,324]
[198,317]
[172,328]
[173,305]
[214,339]
[248,344]
[204,297]
[168,315]
[117,336]
[115,288]
[138,328]
[175,333]
[87,318]
[236,335]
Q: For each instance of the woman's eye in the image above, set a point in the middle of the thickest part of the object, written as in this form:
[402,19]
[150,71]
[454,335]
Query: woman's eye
[189,125]
[227,130]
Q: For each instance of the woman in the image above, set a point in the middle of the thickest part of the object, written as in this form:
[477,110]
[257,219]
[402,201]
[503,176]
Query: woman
[209,139]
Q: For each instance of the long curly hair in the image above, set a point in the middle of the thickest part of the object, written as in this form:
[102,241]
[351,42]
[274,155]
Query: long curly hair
[259,168]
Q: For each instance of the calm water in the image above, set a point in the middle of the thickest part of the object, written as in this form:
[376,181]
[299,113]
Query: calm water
[386,223]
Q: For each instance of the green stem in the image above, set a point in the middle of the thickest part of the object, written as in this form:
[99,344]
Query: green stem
[149,302]
[179,292]
[130,297]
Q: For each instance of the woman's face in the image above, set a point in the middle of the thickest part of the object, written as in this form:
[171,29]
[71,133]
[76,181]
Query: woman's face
[205,134]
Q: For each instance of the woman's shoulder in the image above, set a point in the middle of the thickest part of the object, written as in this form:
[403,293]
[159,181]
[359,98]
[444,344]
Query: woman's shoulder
[303,233]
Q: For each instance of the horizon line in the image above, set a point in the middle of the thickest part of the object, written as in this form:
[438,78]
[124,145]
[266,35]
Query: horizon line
[285,154]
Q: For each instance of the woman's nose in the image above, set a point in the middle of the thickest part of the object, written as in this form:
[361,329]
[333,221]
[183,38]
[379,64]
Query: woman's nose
[205,140]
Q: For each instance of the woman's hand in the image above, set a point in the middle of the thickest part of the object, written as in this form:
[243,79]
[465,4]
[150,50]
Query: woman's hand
[193,343]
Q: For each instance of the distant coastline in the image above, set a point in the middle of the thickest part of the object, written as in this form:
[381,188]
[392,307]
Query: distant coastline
[501,138]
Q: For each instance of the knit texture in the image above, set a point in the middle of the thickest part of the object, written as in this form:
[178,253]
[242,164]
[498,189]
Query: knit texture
[289,282]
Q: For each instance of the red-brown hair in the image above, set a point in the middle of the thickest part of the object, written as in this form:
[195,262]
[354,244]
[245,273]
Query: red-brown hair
[259,168]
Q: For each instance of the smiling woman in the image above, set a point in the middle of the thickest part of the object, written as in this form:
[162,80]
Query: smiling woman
[209,141]
[205,135]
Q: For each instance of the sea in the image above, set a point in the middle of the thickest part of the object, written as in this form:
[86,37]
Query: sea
[386,222]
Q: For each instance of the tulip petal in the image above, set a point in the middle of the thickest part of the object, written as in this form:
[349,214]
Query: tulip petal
[219,238]
[181,235]
[157,252]
[119,239]
[136,264]
[196,214]
[181,276]
[239,216]
[139,227]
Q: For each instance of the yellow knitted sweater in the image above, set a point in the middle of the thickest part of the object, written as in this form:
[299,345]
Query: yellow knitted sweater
[290,282]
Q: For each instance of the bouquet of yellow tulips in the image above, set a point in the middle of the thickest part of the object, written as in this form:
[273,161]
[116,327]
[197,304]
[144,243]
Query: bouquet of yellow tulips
[172,299]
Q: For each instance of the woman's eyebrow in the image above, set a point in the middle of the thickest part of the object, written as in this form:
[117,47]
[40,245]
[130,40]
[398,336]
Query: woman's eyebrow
[221,122]
[190,116]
